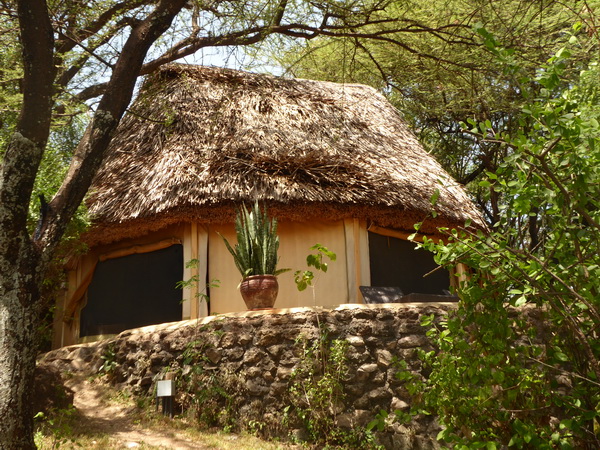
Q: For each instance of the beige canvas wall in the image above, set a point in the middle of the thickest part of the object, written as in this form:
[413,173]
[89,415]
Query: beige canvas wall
[348,239]
[331,288]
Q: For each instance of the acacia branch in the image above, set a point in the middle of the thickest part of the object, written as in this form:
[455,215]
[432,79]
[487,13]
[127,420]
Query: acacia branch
[91,149]
[74,69]
[550,173]
[253,35]
[65,44]
[566,312]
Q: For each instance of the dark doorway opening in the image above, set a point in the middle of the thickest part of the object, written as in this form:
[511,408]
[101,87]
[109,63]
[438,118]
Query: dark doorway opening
[396,262]
[134,291]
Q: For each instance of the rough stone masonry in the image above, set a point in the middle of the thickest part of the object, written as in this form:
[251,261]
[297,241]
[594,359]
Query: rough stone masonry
[261,350]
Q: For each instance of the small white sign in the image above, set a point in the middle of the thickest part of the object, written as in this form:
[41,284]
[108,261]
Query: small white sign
[165,388]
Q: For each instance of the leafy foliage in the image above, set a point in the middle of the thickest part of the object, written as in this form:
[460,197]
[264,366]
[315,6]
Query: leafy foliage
[257,242]
[210,397]
[304,278]
[529,377]
[316,392]
[193,283]
[439,73]
[109,358]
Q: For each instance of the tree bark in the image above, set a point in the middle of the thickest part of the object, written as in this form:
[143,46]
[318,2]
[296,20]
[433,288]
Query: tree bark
[20,271]
[23,259]
[19,321]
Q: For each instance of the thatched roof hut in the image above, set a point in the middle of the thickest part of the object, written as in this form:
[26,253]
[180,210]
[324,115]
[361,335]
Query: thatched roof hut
[199,139]
[335,163]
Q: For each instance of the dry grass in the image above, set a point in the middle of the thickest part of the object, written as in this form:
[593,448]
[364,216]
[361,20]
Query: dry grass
[199,139]
[131,423]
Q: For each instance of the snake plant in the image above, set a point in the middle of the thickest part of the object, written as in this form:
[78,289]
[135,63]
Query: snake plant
[257,242]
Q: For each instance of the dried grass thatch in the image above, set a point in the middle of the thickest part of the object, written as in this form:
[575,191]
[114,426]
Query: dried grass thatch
[198,140]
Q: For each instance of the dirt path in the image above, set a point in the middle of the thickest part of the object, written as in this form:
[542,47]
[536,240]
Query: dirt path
[116,418]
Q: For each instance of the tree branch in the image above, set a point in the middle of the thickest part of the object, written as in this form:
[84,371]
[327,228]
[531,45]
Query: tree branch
[90,151]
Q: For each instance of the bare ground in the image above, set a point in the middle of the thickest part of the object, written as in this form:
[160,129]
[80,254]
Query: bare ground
[101,412]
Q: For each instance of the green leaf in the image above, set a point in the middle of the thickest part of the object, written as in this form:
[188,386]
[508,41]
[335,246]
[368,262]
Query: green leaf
[561,356]
[434,198]
[563,53]
[521,301]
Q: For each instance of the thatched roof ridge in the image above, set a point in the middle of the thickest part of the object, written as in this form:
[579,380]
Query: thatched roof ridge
[199,139]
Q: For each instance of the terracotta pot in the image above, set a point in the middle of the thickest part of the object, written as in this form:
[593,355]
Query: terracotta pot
[259,291]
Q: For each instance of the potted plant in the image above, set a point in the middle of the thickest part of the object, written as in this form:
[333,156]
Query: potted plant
[255,256]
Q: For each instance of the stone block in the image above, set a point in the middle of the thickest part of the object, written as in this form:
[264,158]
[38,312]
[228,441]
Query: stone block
[361,376]
[268,338]
[214,355]
[284,373]
[254,372]
[146,381]
[357,356]
[361,327]
[410,327]
[355,341]
[162,358]
[368,368]
[364,402]
[275,350]
[278,320]
[407,354]
[364,313]
[256,322]
[234,354]
[413,341]
[84,354]
[278,388]
[377,379]
[381,393]
[355,419]
[385,315]
[268,376]
[289,360]
[244,339]
[342,316]
[384,358]
[397,403]
[390,346]
[355,389]
[254,355]
[228,340]
[256,387]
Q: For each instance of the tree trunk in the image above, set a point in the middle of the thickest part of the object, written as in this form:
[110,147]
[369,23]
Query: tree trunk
[19,320]
[23,259]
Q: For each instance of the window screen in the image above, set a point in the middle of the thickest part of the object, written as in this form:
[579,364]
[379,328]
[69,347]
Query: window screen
[395,262]
[134,291]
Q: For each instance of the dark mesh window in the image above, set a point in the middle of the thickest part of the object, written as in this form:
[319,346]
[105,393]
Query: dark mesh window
[134,291]
[395,262]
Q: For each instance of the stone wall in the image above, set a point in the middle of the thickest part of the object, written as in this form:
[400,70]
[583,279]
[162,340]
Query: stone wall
[245,364]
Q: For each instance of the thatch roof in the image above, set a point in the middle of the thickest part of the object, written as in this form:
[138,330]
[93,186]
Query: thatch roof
[198,140]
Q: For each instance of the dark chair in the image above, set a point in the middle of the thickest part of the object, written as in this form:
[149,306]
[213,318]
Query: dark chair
[416,297]
[381,294]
